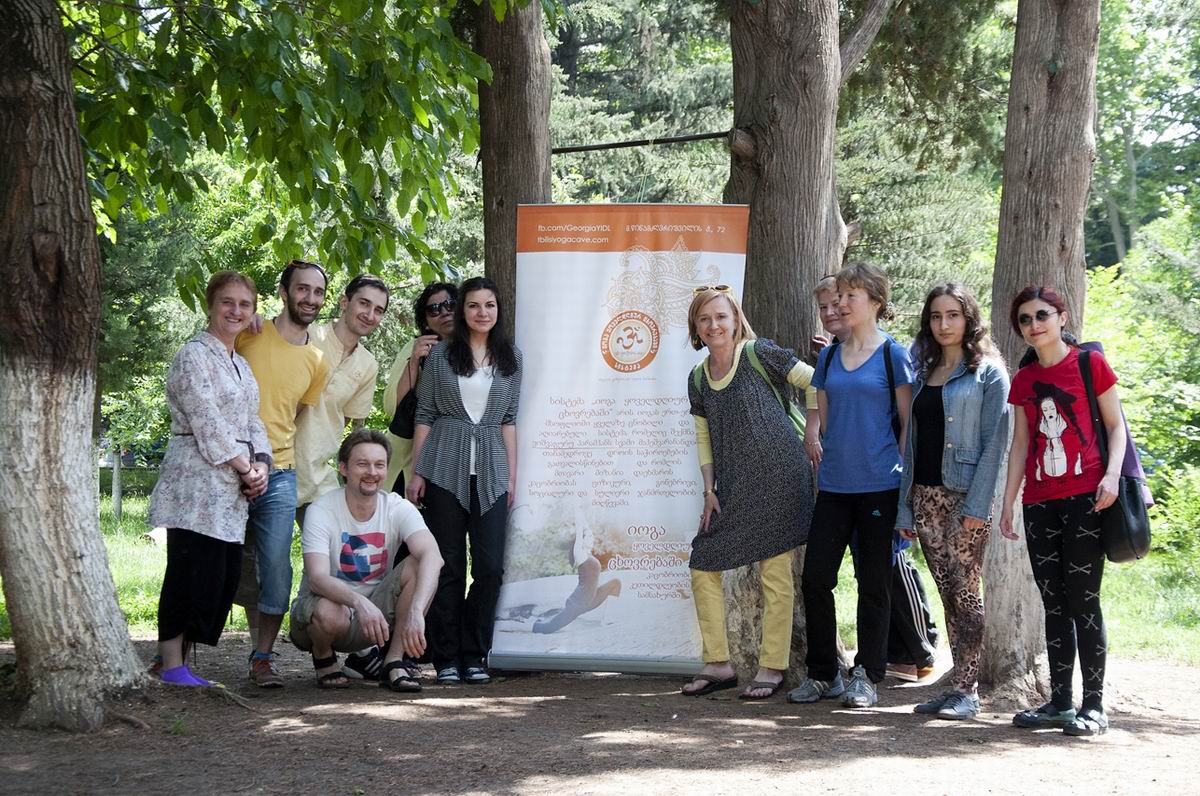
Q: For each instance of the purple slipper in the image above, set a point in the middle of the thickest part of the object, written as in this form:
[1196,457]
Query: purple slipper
[182,675]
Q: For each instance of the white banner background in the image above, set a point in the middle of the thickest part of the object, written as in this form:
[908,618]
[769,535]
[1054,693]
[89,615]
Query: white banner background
[608,481]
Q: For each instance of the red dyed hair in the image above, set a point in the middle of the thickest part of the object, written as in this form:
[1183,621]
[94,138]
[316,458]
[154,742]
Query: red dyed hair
[1034,293]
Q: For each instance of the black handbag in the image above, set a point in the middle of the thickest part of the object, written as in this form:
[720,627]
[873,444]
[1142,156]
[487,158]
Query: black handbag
[404,422]
[1125,525]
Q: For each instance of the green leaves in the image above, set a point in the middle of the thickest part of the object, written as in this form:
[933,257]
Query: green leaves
[342,112]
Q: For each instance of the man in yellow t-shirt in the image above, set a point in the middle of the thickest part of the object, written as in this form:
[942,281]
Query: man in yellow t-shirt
[291,373]
[349,394]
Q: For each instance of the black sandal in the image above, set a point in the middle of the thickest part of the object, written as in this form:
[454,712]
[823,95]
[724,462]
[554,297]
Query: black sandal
[404,684]
[330,679]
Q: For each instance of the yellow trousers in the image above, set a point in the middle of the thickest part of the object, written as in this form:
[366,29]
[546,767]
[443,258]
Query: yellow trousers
[779,599]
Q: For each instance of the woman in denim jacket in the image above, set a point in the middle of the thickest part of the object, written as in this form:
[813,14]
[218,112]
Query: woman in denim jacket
[958,432]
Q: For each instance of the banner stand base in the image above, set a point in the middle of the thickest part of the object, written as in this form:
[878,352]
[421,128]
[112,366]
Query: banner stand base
[517,662]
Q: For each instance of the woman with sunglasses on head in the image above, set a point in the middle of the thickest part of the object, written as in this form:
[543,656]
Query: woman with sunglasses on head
[1056,453]
[758,488]
[957,433]
[465,450]
[433,312]
[864,389]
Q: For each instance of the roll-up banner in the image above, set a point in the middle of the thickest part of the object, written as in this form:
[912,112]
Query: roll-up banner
[608,492]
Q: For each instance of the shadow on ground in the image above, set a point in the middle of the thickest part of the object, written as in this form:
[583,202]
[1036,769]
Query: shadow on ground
[566,734]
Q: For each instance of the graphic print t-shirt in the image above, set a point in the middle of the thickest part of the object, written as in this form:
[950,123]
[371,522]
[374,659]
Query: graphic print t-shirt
[360,553]
[1063,458]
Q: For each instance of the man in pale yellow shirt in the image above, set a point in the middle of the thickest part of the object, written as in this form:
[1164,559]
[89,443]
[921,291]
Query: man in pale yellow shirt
[291,373]
[349,394]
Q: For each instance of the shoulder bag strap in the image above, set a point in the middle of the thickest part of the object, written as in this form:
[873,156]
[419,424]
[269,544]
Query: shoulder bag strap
[1085,370]
[754,363]
[829,359]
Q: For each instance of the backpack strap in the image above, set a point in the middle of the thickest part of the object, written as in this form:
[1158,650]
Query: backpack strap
[752,355]
[891,376]
[829,359]
[696,376]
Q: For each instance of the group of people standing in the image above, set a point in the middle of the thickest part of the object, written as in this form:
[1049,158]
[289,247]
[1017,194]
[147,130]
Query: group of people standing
[905,444]
[258,410]
[897,444]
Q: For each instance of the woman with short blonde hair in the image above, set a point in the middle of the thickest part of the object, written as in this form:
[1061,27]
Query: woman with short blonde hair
[757,484]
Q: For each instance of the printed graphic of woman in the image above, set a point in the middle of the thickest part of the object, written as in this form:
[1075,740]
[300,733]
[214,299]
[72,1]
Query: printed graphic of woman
[589,594]
[1052,461]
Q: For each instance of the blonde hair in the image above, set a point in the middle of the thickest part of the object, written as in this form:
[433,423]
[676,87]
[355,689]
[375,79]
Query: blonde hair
[874,281]
[741,327]
[828,284]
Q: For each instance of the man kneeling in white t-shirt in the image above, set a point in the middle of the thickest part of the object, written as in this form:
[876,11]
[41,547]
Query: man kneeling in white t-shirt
[350,596]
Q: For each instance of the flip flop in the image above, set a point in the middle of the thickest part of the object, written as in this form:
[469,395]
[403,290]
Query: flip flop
[712,684]
[760,684]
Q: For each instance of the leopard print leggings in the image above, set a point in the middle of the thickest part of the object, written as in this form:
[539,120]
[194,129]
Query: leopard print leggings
[955,558]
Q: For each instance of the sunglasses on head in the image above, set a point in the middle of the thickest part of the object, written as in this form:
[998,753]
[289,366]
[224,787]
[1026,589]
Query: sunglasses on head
[441,307]
[696,291]
[1041,315]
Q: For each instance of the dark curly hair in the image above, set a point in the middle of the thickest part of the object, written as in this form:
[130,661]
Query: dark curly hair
[977,343]
[431,289]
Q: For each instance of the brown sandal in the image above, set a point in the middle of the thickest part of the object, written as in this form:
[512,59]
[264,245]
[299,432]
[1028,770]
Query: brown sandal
[757,684]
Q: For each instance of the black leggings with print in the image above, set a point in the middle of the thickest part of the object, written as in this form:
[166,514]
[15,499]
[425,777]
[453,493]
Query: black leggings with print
[1068,564]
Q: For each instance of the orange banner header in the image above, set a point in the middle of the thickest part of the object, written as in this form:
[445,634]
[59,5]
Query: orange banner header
[616,228]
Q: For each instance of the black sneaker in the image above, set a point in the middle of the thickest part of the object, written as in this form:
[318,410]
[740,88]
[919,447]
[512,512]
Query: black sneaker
[367,666]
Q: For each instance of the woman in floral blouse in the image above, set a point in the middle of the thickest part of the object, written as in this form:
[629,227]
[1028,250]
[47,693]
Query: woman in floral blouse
[217,458]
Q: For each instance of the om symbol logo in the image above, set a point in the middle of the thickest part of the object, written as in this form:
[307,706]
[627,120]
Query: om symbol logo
[629,341]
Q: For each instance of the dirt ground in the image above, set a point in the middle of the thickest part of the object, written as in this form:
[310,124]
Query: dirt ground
[595,734]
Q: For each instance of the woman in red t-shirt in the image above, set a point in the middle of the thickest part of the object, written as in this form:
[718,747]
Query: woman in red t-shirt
[1055,452]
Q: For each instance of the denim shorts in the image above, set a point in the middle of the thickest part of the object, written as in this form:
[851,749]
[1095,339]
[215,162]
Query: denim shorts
[267,571]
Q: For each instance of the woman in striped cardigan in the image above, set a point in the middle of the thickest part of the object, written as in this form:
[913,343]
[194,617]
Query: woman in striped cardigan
[465,449]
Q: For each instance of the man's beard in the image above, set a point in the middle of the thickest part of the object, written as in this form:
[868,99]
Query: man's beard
[293,311]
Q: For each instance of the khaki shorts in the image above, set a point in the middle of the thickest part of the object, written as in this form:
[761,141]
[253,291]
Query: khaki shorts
[384,597]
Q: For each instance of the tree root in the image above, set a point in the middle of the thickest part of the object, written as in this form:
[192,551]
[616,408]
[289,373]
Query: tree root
[218,691]
[127,718]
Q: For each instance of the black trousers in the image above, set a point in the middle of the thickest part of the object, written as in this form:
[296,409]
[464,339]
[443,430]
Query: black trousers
[912,634]
[1067,556]
[198,586]
[836,518]
[460,627]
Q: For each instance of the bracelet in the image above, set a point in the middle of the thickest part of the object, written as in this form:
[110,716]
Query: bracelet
[708,492]
[239,472]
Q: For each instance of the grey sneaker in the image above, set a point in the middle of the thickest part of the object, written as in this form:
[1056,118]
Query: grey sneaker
[960,706]
[931,707]
[815,690]
[860,691]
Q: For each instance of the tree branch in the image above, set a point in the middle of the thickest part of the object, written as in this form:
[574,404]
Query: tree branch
[855,47]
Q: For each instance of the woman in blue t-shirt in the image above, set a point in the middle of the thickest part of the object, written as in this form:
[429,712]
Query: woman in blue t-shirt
[864,387]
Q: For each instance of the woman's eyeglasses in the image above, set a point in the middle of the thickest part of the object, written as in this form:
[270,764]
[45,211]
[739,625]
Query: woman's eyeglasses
[696,291]
[1041,315]
[440,308]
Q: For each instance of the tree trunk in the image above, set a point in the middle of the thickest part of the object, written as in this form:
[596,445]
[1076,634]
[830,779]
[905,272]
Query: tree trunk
[71,640]
[786,73]
[1049,147]
[514,125]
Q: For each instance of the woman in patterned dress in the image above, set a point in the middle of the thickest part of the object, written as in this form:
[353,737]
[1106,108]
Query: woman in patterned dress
[758,489]
[217,458]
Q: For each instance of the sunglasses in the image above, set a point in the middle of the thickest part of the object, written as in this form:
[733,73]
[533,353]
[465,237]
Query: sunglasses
[1041,315]
[441,307]
[696,291]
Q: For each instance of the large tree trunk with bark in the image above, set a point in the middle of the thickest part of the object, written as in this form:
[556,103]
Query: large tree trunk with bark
[71,640]
[787,71]
[1049,148]
[514,122]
